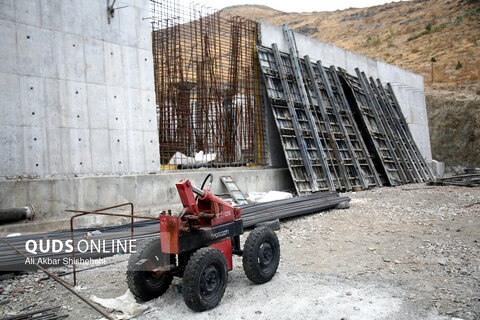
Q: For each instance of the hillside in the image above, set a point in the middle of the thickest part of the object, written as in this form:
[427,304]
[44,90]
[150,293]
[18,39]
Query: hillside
[407,34]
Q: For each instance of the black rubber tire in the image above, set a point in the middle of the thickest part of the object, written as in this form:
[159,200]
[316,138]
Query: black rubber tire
[144,285]
[261,255]
[205,279]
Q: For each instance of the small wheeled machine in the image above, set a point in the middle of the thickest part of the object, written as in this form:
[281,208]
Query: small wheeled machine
[197,245]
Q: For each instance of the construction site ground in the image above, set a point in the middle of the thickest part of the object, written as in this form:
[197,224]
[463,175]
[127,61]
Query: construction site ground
[409,252]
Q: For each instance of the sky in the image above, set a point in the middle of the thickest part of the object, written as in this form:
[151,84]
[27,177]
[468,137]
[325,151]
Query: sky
[297,5]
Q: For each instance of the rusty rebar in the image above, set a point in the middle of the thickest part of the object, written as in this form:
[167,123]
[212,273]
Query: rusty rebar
[205,84]
[101,211]
[63,283]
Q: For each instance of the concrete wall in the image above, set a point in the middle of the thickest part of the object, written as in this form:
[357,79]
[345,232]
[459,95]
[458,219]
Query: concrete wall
[408,86]
[52,196]
[76,93]
[78,125]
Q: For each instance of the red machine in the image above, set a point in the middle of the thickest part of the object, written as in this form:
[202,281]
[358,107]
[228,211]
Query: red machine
[197,245]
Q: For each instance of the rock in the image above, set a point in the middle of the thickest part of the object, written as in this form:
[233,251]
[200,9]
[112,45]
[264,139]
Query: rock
[442,262]
[397,261]
[343,205]
[18,290]
[356,308]
[386,259]
[348,293]
[371,249]
[476,307]
[464,272]
[428,288]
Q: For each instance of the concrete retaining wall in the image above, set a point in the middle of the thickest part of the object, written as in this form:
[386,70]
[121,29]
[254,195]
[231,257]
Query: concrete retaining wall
[76,92]
[51,197]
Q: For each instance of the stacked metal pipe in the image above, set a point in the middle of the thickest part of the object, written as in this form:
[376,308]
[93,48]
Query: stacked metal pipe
[252,214]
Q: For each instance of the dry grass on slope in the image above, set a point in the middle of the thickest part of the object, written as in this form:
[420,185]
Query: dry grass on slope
[407,34]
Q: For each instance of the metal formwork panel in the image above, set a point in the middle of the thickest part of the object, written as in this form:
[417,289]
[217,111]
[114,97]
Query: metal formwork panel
[338,131]
[411,173]
[353,155]
[361,152]
[342,158]
[368,117]
[326,159]
[396,145]
[292,123]
[420,163]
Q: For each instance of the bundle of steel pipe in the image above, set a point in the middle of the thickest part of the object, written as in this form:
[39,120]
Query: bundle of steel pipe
[463,180]
[253,214]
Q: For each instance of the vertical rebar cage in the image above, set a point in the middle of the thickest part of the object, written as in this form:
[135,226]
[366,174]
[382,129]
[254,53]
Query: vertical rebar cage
[206,85]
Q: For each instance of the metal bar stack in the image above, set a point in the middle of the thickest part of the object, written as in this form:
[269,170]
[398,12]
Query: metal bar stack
[462,180]
[109,237]
[253,214]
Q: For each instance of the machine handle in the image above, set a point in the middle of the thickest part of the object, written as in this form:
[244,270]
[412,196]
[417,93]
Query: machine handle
[198,191]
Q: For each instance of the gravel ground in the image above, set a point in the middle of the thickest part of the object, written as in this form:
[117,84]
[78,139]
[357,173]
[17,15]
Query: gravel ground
[410,252]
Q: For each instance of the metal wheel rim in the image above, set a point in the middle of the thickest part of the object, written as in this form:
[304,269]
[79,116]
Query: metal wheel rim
[211,281]
[266,257]
[265,254]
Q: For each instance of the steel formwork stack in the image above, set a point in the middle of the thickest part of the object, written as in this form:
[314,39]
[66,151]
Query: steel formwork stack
[338,131]
[206,86]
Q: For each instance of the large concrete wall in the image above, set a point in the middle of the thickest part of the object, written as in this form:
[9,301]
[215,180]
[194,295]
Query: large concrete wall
[78,125]
[408,86]
[76,93]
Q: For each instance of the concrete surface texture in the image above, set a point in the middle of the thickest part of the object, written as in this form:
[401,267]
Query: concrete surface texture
[76,92]
[408,86]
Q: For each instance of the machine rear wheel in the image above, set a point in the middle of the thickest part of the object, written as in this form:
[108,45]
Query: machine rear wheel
[144,284]
[205,279]
[261,255]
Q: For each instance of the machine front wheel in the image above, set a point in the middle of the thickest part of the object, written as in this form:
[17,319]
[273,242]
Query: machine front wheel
[205,279]
[142,282]
[261,255]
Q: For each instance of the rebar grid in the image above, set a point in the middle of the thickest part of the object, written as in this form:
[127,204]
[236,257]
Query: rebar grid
[206,87]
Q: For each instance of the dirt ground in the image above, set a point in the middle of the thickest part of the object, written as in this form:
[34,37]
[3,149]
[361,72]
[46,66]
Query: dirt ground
[410,252]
